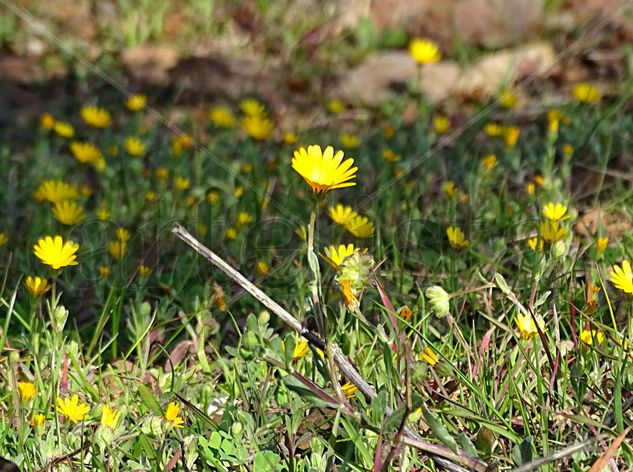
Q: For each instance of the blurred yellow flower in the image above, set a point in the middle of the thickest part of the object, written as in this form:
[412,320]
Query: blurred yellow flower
[530,188]
[555,211]
[489,162]
[252,107]
[68,213]
[257,127]
[63,129]
[291,138]
[36,286]
[56,191]
[109,417]
[4,239]
[622,277]
[341,214]
[27,390]
[222,117]
[262,268]
[551,231]
[104,271]
[171,415]
[511,135]
[424,51]
[151,196]
[493,130]
[136,102]
[429,356]
[449,188]
[180,143]
[335,106]
[539,180]
[508,99]
[324,170]
[244,218]
[231,233]
[587,337]
[336,255]
[117,249]
[527,326]
[55,252]
[391,156]
[301,349]
[457,238]
[122,234]
[213,197]
[586,93]
[601,244]
[162,173]
[96,117]
[47,121]
[349,141]
[72,409]
[134,146]
[568,150]
[535,243]
[441,124]
[38,420]
[238,192]
[349,389]
[181,183]
[360,226]
[103,213]
[144,271]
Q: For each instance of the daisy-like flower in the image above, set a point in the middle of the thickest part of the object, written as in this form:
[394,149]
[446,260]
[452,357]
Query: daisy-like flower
[301,349]
[109,417]
[511,135]
[56,191]
[54,252]
[335,106]
[134,146]
[144,271]
[122,234]
[36,286]
[252,107]
[489,162]
[349,389]
[262,268]
[552,231]
[171,415]
[360,226]
[103,213]
[231,234]
[622,277]
[341,214]
[324,170]
[258,127]
[601,244]
[27,390]
[136,102]
[68,213]
[63,129]
[349,141]
[181,183]
[180,143]
[96,117]
[104,271]
[586,93]
[38,420]
[72,409]
[587,337]
[527,326]
[336,255]
[555,211]
[244,218]
[47,121]
[222,117]
[441,124]
[457,238]
[424,51]
[117,249]
[213,197]
[429,356]
[291,138]
[493,130]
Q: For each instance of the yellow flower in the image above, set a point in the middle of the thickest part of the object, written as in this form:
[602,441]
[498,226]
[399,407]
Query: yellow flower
[151,196]
[171,415]
[349,141]
[391,156]
[181,183]
[389,132]
[349,389]
[27,390]
[534,243]
[508,99]
[539,180]
[109,416]
[162,173]
[336,255]
[511,135]
[449,189]
[424,51]
[291,138]
[622,277]
[601,244]
[429,356]
[117,249]
[231,233]
[113,150]
[324,170]
[122,234]
[47,121]
[341,214]
[252,107]
[247,167]
[349,297]
[103,213]
[527,326]
[262,268]
[134,146]
[3,239]
[587,337]
[136,102]
[258,127]
[555,211]
[55,252]
[202,229]
[530,188]
[104,271]
[441,124]
[63,129]
[490,161]
[180,143]
[456,238]
[301,349]
[568,150]
[551,231]
[36,286]
[238,192]
[68,213]
[38,420]
[144,271]
[222,117]
[72,409]
[335,106]
[360,226]
[244,218]
[96,117]
[86,153]
[493,130]
[213,197]
[586,93]
[86,190]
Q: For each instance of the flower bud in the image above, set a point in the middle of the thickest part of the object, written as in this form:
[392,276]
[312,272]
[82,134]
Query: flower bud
[439,300]
[60,315]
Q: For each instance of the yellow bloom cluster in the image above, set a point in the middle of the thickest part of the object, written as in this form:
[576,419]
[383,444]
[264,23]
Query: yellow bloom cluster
[356,224]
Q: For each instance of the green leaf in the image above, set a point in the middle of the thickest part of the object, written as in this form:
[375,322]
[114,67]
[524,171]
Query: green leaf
[501,283]
[394,420]
[149,400]
[378,406]
[522,453]
[308,395]
[466,444]
[439,430]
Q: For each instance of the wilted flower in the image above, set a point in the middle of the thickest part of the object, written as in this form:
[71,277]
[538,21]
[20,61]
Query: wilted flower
[439,300]
[353,276]
[55,252]
[36,286]
[324,170]
[72,409]
[424,51]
